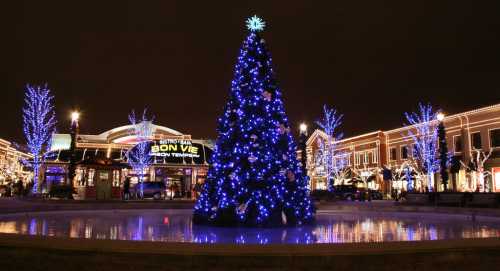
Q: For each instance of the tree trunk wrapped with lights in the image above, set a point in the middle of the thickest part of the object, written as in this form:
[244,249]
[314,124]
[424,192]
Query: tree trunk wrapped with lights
[424,134]
[255,178]
[139,157]
[39,123]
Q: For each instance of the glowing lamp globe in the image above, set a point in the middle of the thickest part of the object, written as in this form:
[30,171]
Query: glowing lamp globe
[303,127]
[440,116]
[75,116]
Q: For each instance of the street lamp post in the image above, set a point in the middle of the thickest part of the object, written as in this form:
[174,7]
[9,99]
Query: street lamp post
[303,147]
[443,151]
[74,131]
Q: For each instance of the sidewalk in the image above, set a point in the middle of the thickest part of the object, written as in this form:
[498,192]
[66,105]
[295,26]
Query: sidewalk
[15,205]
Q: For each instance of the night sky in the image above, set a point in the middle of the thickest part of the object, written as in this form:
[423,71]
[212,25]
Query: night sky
[373,60]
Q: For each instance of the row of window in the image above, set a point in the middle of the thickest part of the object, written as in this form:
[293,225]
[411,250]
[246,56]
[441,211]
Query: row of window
[344,160]
[476,143]
[405,153]
[364,157]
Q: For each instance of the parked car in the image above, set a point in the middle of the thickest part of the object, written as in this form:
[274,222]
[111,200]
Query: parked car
[351,192]
[346,192]
[155,190]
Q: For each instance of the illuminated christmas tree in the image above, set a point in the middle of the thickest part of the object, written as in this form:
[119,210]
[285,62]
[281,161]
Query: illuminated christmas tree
[255,178]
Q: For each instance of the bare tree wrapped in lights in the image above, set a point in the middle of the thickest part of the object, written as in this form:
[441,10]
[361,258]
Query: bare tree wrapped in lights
[39,123]
[364,174]
[477,171]
[139,157]
[408,172]
[424,133]
[333,161]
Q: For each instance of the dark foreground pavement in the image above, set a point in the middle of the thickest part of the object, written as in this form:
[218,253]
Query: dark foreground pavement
[41,253]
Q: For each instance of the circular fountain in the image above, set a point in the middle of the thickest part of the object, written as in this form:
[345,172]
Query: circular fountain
[168,237]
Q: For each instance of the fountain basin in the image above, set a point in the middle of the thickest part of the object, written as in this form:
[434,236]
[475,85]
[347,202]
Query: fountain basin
[340,240]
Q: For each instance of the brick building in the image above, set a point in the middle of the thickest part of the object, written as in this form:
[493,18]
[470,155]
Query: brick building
[11,168]
[467,134]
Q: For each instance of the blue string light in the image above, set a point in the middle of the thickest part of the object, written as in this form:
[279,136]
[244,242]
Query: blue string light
[255,178]
[39,123]
[139,157]
[425,137]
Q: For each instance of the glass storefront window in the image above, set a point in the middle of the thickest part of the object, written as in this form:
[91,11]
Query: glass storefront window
[90,178]
[320,184]
[54,180]
[55,170]
[79,177]
[54,175]
[116,178]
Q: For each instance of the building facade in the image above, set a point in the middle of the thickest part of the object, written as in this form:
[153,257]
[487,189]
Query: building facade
[11,167]
[361,157]
[473,140]
[178,161]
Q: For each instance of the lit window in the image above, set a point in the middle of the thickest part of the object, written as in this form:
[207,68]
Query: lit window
[357,159]
[116,178]
[90,178]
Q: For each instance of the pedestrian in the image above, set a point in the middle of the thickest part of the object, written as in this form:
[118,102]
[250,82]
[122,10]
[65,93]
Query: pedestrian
[175,190]
[126,188]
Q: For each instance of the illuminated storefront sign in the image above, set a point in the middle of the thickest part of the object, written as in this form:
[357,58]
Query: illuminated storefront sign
[176,148]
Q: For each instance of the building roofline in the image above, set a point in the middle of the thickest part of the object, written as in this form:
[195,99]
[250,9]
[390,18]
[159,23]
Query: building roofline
[462,114]
[457,115]
[320,132]
[5,141]
[106,134]
[314,135]
[359,136]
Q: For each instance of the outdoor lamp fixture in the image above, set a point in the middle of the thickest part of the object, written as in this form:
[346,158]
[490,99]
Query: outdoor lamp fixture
[440,116]
[75,115]
[303,128]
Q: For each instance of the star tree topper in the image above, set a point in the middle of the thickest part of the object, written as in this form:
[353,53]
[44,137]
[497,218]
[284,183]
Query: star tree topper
[255,24]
